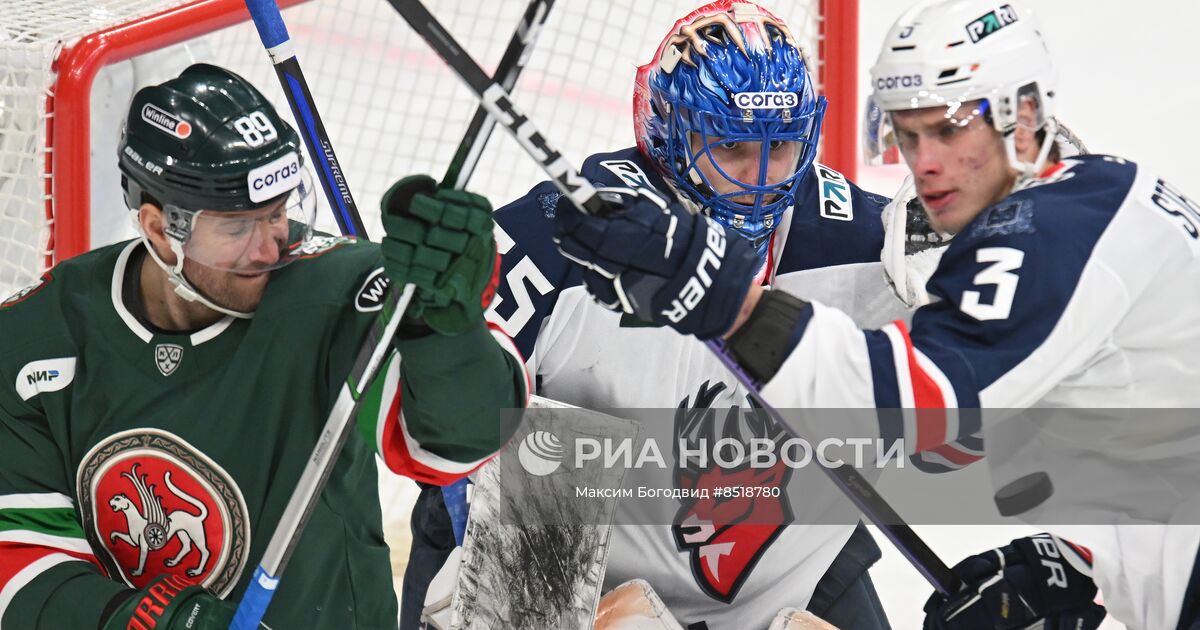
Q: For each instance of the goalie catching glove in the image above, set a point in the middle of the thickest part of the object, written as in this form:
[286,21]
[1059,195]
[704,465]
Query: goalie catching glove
[441,241]
[1040,579]
[170,602]
[658,262]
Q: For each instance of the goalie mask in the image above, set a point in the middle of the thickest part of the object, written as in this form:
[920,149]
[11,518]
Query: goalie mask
[226,170]
[975,58]
[727,112]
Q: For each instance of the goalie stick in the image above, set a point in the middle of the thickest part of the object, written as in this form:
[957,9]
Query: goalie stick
[576,188]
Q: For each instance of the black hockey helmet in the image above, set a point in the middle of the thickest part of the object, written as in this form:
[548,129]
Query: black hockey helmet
[209,140]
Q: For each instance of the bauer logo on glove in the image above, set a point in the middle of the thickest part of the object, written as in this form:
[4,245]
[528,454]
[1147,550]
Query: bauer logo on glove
[659,262]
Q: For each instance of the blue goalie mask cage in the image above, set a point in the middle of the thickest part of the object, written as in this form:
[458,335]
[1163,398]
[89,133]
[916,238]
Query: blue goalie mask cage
[726,110]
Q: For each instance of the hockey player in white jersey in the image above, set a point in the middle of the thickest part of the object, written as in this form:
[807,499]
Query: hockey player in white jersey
[1069,283]
[727,122]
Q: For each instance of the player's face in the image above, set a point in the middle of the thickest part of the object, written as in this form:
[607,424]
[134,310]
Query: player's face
[230,258]
[958,163]
[735,162]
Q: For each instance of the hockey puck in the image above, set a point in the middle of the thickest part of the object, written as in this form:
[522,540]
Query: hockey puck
[1024,494]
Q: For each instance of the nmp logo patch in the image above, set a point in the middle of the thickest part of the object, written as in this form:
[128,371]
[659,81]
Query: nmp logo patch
[47,375]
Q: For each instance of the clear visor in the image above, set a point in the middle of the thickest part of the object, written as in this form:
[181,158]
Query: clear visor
[248,241]
[881,143]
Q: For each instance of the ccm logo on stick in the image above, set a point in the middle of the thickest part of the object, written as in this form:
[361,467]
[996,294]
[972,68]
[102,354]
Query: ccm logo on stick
[766,100]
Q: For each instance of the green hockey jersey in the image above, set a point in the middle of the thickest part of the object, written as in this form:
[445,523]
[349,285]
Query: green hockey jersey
[126,452]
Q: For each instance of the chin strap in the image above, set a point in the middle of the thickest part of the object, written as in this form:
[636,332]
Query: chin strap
[183,288]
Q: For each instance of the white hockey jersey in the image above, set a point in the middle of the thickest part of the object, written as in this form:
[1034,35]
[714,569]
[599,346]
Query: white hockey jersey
[1081,290]
[585,355]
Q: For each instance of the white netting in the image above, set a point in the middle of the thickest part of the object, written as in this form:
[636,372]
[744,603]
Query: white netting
[31,34]
[391,107]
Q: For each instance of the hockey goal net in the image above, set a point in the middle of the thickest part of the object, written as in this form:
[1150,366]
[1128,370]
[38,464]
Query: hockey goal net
[69,68]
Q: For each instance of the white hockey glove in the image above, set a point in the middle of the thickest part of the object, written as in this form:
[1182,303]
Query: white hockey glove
[911,247]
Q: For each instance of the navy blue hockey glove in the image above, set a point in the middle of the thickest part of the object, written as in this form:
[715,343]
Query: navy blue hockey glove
[1029,580]
[658,262]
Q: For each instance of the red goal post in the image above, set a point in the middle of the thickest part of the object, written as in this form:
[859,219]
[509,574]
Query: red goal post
[390,107]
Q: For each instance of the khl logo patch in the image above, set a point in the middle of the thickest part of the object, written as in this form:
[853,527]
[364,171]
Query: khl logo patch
[167,356]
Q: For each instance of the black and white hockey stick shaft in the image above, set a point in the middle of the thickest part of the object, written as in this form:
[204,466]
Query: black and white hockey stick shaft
[462,166]
[371,354]
[497,101]
[276,40]
[512,62]
[859,490]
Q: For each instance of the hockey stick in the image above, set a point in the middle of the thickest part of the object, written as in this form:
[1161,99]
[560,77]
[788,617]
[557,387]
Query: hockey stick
[274,35]
[512,62]
[338,425]
[583,194]
[462,166]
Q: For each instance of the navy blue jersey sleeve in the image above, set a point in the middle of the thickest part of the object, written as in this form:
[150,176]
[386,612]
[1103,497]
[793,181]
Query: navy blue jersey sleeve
[1005,283]
[1021,273]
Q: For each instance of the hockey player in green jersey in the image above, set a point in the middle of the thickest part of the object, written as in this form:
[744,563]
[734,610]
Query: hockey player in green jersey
[159,397]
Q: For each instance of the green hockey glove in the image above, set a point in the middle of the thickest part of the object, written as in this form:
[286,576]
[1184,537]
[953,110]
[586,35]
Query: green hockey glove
[441,241]
[170,602]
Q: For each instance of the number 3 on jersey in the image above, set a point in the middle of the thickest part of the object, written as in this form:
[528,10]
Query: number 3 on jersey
[1004,260]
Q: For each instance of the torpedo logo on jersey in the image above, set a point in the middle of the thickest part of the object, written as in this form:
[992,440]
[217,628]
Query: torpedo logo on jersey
[726,535]
[155,504]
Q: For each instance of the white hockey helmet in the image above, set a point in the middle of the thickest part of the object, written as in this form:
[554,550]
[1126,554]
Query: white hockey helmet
[947,53]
